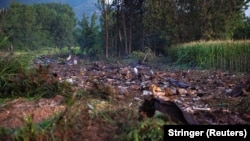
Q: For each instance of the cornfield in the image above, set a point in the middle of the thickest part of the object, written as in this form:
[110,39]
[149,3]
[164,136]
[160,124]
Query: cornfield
[223,55]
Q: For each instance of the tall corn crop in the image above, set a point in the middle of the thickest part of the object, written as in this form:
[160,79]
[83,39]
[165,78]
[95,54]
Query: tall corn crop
[223,55]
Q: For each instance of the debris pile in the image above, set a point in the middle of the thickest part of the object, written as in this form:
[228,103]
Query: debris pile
[186,96]
[196,94]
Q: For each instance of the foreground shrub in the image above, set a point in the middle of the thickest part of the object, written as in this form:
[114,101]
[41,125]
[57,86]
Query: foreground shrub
[147,56]
[17,80]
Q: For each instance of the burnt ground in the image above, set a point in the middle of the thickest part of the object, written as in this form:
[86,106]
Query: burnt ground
[200,97]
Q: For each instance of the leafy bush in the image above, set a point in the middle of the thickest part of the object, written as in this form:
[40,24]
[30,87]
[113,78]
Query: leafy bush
[147,56]
[3,42]
[16,80]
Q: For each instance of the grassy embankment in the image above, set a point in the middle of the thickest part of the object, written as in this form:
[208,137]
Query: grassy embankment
[222,55]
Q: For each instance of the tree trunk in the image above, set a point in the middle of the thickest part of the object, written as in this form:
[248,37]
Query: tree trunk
[143,41]
[107,36]
[120,38]
[130,34]
[125,33]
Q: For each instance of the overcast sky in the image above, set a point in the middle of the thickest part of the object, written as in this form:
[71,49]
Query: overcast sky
[4,3]
[248,12]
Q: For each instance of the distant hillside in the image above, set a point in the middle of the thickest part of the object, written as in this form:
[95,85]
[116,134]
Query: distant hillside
[79,6]
[3,3]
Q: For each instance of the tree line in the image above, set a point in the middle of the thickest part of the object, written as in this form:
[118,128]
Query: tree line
[40,25]
[156,24]
[125,25]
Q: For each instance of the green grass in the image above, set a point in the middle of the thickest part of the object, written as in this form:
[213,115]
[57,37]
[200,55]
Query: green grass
[223,55]
[19,78]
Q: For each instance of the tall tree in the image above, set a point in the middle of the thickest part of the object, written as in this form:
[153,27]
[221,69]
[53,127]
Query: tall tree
[243,32]
[63,24]
[45,20]
[214,19]
[158,23]
[20,25]
[105,7]
[131,12]
[32,26]
[124,17]
[3,37]
[88,38]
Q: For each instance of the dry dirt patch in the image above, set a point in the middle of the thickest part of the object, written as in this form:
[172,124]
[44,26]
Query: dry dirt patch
[13,114]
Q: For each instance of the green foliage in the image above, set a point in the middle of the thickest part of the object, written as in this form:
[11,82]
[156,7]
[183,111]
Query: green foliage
[243,32]
[151,129]
[3,42]
[224,55]
[32,131]
[16,80]
[132,25]
[43,25]
[186,21]
[88,36]
[158,33]
[147,56]
[28,132]
[76,50]
[20,26]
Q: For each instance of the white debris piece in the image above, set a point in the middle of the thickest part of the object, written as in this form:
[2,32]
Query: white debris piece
[189,110]
[196,99]
[182,91]
[137,99]
[130,104]
[135,70]
[90,106]
[152,72]
[69,80]
[202,109]
[75,61]
[145,92]
[68,58]
[177,101]
[229,90]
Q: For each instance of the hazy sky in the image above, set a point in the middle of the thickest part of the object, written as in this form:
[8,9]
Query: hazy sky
[248,11]
[4,3]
